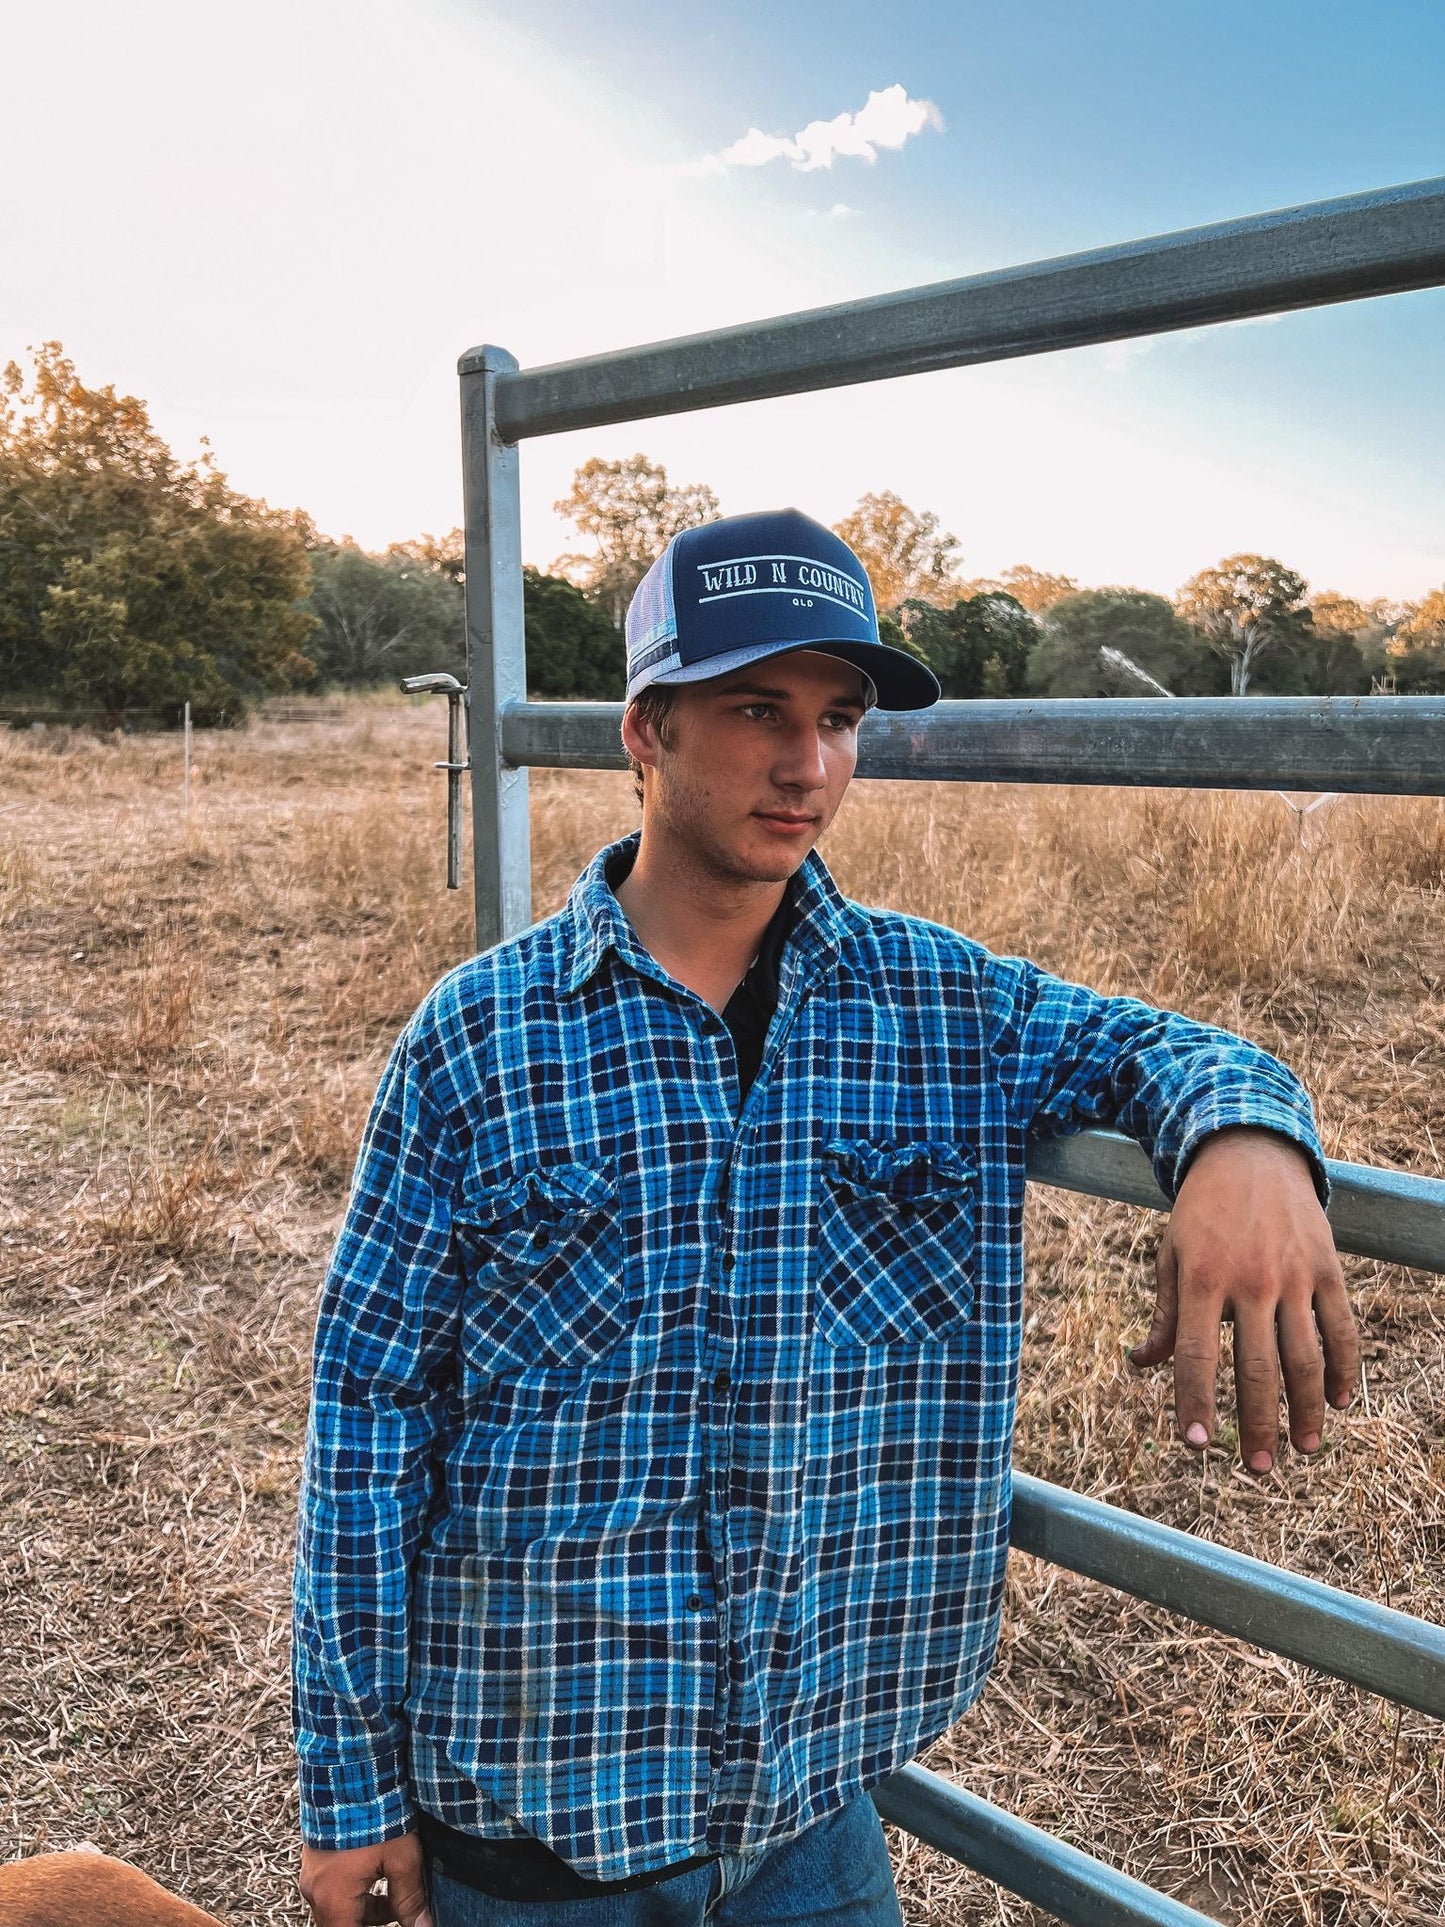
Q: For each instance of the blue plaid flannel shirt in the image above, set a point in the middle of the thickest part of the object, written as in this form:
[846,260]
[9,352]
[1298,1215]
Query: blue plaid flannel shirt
[656,1490]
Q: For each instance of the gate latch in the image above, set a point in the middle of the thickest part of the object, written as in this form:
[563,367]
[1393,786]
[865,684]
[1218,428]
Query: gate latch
[457,763]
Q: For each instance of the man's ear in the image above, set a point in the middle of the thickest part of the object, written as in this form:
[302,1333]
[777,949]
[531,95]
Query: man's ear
[639,738]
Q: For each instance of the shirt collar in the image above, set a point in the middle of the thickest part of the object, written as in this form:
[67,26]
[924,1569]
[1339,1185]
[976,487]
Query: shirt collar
[595,921]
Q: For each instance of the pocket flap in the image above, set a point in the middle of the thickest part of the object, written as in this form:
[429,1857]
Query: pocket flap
[915,1170]
[552,1190]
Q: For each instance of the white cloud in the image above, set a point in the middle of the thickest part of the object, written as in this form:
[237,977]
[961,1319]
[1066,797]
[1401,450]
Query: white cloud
[889,117]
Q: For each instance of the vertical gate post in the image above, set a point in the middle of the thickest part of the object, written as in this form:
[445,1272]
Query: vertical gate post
[496,652]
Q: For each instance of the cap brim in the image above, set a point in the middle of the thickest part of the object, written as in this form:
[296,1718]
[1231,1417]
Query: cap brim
[902,681]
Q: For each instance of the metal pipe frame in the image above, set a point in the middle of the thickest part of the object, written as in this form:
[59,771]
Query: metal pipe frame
[1370,745]
[1349,1638]
[1362,245]
[1382,242]
[1072,1886]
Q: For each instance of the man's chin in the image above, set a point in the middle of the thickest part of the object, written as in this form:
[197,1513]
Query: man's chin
[780,870]
[753,865]
[775,866]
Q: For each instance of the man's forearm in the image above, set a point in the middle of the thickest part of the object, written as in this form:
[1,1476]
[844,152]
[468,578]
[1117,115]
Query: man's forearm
[1069,1057]
[384,1340]
[355,1543]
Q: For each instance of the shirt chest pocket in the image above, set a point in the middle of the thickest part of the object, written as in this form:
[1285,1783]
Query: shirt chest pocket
[895,1242]
[544,1262]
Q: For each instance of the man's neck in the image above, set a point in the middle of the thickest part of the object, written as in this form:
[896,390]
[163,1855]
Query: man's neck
[704,930]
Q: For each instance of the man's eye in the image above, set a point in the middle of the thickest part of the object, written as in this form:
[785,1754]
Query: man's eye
[757,709]
[840,720]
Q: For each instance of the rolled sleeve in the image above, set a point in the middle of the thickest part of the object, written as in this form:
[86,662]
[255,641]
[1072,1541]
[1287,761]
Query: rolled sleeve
[1070,1058]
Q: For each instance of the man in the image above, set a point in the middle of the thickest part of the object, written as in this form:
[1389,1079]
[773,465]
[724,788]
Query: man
[657,1486]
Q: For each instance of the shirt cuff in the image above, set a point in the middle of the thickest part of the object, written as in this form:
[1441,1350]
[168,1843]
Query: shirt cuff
[337,1813]
[1256,1114]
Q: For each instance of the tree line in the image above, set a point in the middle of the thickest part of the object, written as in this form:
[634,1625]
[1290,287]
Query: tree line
[133,582]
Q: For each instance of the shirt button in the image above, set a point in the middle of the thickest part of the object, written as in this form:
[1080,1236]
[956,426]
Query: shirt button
[694,1602]
[723,1382]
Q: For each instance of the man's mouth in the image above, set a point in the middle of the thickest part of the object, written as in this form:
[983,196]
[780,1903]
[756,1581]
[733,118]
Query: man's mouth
[784,821]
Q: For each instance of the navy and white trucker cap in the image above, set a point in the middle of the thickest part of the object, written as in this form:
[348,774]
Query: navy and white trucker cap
[732,592]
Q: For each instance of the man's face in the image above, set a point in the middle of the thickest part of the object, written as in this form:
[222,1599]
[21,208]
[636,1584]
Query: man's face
[758,765]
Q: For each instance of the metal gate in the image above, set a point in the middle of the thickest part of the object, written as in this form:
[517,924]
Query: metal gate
[1366,244]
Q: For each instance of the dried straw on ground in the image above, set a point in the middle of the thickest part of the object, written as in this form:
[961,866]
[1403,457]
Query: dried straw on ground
[192,1018]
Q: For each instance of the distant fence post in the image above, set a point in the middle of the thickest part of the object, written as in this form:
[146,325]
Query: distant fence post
[496,652]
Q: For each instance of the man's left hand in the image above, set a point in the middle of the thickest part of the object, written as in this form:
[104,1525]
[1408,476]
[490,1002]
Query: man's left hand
[1248,1240]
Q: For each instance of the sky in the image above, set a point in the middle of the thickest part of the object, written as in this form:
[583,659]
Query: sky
[282,224]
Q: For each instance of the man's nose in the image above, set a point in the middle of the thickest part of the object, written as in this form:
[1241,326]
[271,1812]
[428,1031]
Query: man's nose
[800,762]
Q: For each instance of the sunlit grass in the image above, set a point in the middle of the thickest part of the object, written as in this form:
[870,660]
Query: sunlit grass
[193,1013]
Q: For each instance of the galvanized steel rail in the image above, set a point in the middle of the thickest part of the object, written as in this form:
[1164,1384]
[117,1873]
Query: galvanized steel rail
[1362,245]
[1396,1216]
[1374,745]
[1353,1639]
[1382,242]
[1070,1884]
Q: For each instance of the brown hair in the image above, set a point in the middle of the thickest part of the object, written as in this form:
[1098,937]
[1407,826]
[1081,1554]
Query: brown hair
[653,706]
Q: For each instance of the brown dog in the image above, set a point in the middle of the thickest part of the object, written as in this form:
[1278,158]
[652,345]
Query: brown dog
[89,1890]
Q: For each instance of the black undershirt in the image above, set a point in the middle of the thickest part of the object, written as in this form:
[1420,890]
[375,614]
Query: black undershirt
[525,1869]
[749,1010]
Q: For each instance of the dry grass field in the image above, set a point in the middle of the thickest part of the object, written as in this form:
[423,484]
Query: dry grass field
[192,1017]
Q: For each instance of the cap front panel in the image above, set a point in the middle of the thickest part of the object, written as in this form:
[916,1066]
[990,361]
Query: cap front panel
[733,586]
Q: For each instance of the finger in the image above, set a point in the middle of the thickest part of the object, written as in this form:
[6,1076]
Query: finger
[1196,1363]
[1256,1385]
[334,1902]
[405,1882]
[337,1906]
[1340,1337]
[408,1908]
[1160,1342]
[380,1910]
[1303,1363]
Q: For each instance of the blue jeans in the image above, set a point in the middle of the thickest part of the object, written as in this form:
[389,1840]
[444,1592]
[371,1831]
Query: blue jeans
[836,1874]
